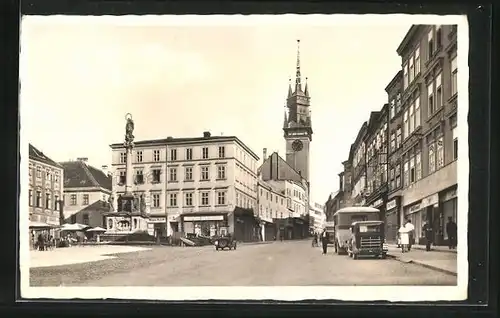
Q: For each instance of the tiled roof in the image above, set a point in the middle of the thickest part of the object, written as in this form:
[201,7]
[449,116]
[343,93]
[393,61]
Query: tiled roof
[78,174]
[37,155]
[97,206]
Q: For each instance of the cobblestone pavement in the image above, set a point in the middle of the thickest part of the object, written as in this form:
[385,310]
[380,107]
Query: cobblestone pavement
[280,263]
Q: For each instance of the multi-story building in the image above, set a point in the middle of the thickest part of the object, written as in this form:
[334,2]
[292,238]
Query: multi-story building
[429,105]
[393,206]
[86,193]
[376,160]
[272,206]
[45,188]
[193,185]
[358,150]
[317,213]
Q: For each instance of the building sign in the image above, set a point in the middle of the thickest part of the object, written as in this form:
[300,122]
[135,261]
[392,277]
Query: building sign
[204,218]
[414,208]
[430,200]
[377,203]
[157,220]
[391,205]
[450,195]
[173,218]
[297,134]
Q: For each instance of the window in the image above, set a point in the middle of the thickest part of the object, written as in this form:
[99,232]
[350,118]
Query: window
[173,154]
[418,164]
[48,200]
[56,202]
[392,183]
[156,155]
[38,202]
[204,198]
[392,108]
[173,199]
[411,125]
[122,178]
[412,168]
[398,102]
[30,197]
[139,156]
[454,76]
[56,177]
[156,200]
[222,152]
[39,172]
[438,36]
[188,174]
[439,92]
[73,218]
[48,176]
[85,218]
[417,112]
[73,199]
[406,131]
[430,44]
[455,144]
[398,137]
[432,158]
[405,76]
[417,61]
[411,71]
[85,199]
[406,173]
[221,172]
[173,174]
[188,199]
[30,171]
[221,197]
[440,152]
[139,177]
[430,95]
[123,157]
[189,154]
[398,175]
[204,151]
[156,175]
[204,173]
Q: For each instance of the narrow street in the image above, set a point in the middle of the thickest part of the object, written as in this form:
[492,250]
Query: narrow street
[275,264]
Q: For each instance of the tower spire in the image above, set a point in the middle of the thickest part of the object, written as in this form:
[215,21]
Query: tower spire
[298,85]
[306,90]
[285,120]
[290,87]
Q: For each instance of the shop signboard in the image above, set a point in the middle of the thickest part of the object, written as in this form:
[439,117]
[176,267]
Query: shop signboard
[414,208]
[450,195]
[377,203]
[204,218]
[430,200]
[391,205]
[157,220]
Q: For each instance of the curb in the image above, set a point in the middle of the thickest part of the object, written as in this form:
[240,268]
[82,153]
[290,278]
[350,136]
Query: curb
[256,243]
[432,250]
[442,270]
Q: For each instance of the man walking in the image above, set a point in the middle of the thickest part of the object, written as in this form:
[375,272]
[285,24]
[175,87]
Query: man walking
[451,231]
[324,240]
[427,229]
[410,229]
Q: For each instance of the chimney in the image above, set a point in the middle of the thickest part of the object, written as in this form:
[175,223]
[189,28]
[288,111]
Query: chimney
[83,159]
[206,134]
[264,154]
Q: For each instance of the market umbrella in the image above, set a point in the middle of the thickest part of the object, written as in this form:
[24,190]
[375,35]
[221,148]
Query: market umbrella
[73,227]
[96,229]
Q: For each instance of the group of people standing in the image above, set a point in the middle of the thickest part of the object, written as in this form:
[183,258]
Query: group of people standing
[45,242]
[407,231]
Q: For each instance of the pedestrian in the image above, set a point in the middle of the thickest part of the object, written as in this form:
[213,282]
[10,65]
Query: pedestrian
[411,233]
[324,241]
[404,238]
[315,240]
[427,229]
[451,231]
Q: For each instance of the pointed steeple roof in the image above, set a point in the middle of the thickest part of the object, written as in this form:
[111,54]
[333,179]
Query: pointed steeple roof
[285,120]
[290,93]
[298,84]
[306,90]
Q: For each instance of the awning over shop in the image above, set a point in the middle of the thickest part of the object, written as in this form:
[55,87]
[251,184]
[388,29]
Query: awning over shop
[40,225]
[74,227]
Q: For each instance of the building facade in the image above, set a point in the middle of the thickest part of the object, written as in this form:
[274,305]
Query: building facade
[193,185]
[358,190]
[429,101]
[273,207]
[46,188]
[376,160]
[317,213]
[393,215]
[86,193]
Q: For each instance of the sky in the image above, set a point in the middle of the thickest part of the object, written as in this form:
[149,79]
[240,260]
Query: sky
[79,77]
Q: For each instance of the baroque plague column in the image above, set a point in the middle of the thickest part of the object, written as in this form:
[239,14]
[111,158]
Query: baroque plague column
[129,215]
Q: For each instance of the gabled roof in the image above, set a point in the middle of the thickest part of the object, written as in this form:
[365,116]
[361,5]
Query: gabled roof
[78,174]
[97,206]
[37,155]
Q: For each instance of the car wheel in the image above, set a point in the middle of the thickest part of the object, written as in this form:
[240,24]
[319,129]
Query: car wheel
[354,256]
[383,256]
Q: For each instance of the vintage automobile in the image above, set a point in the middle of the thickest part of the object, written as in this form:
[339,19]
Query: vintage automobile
[225,241]
[343,219]
[367,239]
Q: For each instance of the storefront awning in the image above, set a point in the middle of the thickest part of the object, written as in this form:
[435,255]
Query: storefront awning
[40,225]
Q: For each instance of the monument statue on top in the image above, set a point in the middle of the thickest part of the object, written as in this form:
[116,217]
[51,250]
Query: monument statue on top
[129,130]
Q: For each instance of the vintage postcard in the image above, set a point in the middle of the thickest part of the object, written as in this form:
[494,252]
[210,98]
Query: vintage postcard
[291,157]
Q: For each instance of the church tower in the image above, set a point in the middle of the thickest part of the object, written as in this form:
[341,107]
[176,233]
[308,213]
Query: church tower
[297,125]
